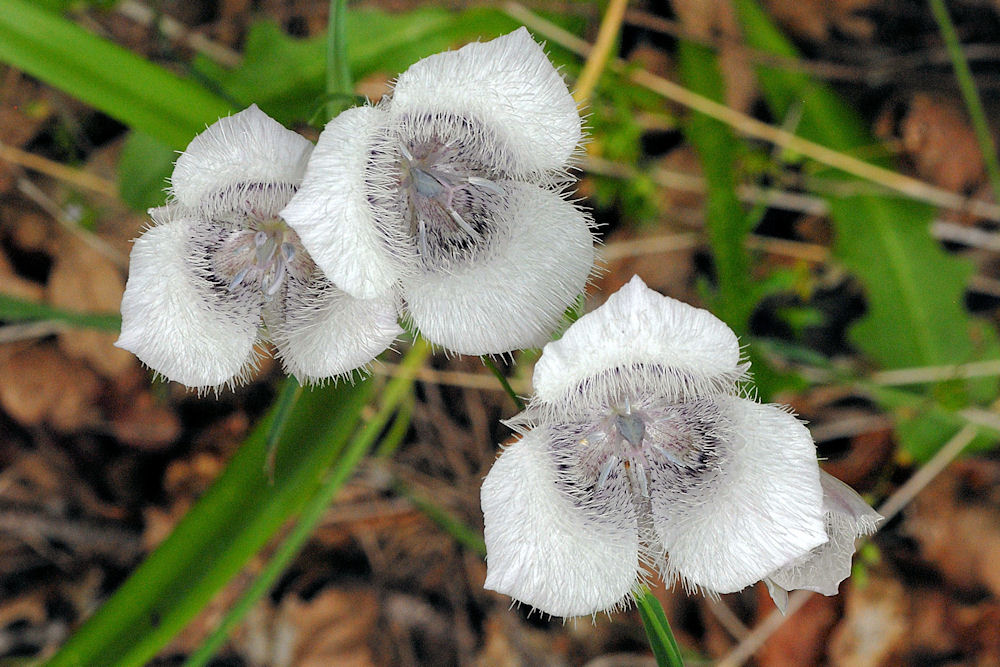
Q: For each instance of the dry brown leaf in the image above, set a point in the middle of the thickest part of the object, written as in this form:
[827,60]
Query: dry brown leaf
[40,384]
[84,280]
[146,424]
[801,640]
[716,21]
[956,521]
[874,628]
[816,19]
[333,628]
[937,136]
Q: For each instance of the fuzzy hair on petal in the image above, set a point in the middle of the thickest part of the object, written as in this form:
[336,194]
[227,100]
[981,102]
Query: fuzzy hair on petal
[543,549]
[508,85]
[848,517]
[513,296]
[326,333]
[249,147]
[359,250]
[638,340]
[760,509]
[172,324]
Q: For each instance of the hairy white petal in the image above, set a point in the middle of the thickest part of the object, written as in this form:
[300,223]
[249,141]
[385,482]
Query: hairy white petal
[638,340]
[762,509]
[332,214]
[515,296]
[247,147]
[543,549]
[507,85]
[848,517]
[328,333]
[173,325]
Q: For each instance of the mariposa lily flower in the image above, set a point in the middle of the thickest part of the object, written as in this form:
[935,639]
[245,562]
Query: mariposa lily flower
[220,271]
[639,453]
[452,194]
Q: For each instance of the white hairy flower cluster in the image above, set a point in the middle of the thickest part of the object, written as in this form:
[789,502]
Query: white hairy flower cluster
[445,205]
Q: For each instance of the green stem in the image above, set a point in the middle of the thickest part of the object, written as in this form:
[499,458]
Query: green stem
[661,638]
[395,391]
[339,85]
[290,393]
[488,362]
[448,522]
[968,87]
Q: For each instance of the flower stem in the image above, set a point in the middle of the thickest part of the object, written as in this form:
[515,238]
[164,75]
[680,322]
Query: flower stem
[661,638]
[339,86]
[488,362]
[968,87]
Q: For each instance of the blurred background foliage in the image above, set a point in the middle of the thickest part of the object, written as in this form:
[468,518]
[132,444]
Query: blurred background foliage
[813,172]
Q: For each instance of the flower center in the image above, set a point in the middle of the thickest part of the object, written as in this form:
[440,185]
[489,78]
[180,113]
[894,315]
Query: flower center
[261,256]
[445,199]
[674,436]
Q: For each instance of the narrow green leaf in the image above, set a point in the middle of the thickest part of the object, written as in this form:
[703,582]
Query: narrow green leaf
[13,309]
[236,516]
[661,637]
[397,392]
[915,291]
[105,75]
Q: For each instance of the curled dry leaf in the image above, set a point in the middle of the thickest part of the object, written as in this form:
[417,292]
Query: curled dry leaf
[41,384]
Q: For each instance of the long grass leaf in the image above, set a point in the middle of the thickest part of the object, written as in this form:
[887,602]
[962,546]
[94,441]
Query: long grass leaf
[236,516]
[110,78]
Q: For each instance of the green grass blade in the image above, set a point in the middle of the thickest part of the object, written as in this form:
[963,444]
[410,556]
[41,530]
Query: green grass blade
[397,392]
[718,150]
[969,93]
[339,84]
[240,512]
[106,76]
[661,637]
[13,309]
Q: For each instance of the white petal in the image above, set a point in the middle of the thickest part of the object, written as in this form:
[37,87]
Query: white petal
[542,548]
[173,325]
[507,86]
[332,212]
[514,298]
[848,517]
[328,333]
[641,341]
[247,147]
[761,509]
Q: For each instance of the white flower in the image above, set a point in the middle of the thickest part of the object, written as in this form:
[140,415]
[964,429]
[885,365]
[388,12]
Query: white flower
[638,453]
[220,270]
[452,195]
[847,518]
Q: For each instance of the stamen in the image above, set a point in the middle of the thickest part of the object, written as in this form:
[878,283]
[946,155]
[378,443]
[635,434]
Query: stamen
[485,184]
[279,276]
[466,227]
[288,251]
[606,471]
[238,278]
